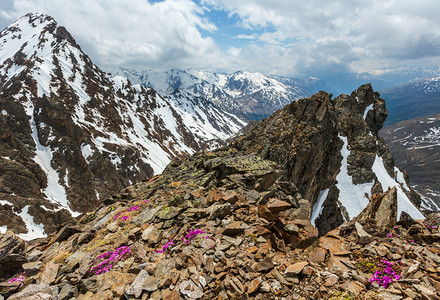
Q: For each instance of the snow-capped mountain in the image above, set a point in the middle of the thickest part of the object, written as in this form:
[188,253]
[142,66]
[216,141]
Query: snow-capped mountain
[252,96]
[414,99]
[415,145]
[72,134]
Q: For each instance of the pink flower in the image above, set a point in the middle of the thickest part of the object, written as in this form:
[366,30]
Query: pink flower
[133,208]
[186,239]
[20,279]
[385,274]
[117,216]
[166,246]
[110,258]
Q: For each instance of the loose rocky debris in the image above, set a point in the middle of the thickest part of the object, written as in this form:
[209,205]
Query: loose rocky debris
[255,244]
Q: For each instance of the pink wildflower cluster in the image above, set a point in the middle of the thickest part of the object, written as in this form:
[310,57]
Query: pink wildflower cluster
[429,226]
[391,235]
[186,239]
[166,246]
[193,234]
[20,279]
[125,217]
[385,273]
[135,208]
[110,258]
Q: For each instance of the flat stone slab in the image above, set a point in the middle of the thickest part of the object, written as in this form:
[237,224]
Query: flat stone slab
[295,269]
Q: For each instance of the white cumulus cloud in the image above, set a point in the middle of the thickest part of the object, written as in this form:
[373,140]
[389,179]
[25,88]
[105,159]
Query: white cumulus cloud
[285,37]
[135,32]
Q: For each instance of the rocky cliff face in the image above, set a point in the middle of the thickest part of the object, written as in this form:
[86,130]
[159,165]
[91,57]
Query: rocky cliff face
[330,151]
[71,135]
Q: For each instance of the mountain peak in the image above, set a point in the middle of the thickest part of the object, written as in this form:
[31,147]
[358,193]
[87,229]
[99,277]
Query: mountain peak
[33,35]
[35,18]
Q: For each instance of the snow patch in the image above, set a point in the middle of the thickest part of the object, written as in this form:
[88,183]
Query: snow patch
[120,81]
[319,205]
[403,202]
[4,202]
[3,229]
[4,112]
[54,191]
[400,178]
[369,107]
[35,231]
[45,208]
[429,204]
[86,151]
[354,197]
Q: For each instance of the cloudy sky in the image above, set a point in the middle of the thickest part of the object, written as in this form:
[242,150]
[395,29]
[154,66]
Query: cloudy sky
[284,37]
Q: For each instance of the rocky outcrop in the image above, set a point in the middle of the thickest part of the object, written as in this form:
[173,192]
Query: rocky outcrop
[12,255]
[382,210]
[330,151]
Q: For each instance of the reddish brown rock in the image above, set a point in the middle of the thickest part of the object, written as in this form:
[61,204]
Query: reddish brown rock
[252,249]
[253,286]
[275,205]
[295,269]
[264,265]
[231,197]
[170,295]
[49,273]
[265,213]
[318,255]
[331,280]
[116,281]
[234,228]
[331,244]
[308,271]
[171,278]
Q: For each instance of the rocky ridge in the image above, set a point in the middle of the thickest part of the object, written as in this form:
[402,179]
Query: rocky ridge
[236,223]
[188,241]
[331,152]
[72,135]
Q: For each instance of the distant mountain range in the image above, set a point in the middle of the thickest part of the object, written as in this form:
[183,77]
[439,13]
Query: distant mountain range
[252,96]
[414,99]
